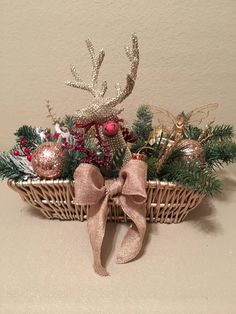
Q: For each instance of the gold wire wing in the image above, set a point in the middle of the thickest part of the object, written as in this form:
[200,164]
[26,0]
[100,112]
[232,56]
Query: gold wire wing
[201,113]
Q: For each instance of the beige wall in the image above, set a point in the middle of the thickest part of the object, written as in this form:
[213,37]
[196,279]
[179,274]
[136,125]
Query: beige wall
[187,55]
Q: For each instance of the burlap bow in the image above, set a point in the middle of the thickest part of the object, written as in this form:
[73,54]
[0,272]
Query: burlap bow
[128,191]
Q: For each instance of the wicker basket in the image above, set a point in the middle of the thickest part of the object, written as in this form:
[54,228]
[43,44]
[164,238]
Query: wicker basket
[166,202]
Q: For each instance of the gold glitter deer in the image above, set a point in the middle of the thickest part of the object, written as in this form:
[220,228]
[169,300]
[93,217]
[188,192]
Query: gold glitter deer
[103,109]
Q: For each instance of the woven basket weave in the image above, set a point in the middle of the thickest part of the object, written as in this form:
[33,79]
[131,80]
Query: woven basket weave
[166,202]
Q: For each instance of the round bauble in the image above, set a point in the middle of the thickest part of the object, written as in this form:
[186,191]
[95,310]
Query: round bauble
[192,151]
[110,128]
[48,160]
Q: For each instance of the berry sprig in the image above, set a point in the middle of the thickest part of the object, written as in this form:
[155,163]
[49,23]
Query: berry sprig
[91,157]
[23,151]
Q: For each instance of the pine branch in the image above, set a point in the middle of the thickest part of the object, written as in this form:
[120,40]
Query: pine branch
[222,132]
[116,164]
[152,170]
[217,133]
[192,177]
[9,169]
[71,163]
[142,126]
[29,134]
[219,153]
[192,132]
[69,121]
[136,146]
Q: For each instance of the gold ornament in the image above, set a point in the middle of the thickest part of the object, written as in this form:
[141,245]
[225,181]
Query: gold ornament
[176,125]
[192,151]
[159,135]
[48,159]
[167,149]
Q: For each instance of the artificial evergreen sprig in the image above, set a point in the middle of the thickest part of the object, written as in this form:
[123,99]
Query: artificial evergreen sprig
[224,132]
[151,168]
[117,161]
[217,133]
[9,169]
[69,121]
[193,177]
[29,134]
[71,163]
[142,126]
[192,132]
[219,153]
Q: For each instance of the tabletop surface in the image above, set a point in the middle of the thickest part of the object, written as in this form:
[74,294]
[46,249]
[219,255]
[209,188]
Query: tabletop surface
[46,266]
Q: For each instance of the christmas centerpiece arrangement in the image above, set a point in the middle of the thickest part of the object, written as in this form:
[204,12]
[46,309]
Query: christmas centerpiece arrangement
[92,165]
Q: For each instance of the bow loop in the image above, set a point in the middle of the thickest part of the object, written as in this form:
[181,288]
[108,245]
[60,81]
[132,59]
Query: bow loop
[89,184]
[134,174]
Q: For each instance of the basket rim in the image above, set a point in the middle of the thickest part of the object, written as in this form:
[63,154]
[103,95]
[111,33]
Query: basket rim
[35,182]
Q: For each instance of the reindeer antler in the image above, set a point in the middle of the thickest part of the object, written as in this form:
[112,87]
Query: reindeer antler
[133,56]
[102,108]
[96,64]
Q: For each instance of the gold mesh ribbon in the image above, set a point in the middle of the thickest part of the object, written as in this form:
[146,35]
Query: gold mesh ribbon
[128,191]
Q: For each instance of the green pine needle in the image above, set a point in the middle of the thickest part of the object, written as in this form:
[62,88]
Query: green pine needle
[8,169]
[192,177]
[116,164]
[192,132]
[152,169]
[71,163]
[29,133]
[142,126]
[222,132]
[136,146]
[219,153]
[69,121]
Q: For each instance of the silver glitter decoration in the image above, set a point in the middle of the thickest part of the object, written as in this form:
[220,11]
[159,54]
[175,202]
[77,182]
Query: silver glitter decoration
[102,108]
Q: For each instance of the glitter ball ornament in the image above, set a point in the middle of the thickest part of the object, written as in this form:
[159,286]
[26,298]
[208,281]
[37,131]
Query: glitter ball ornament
[110,128]
[48,159]
[192,151]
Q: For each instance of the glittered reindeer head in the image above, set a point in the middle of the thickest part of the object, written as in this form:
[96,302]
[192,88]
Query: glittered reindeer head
[103,108]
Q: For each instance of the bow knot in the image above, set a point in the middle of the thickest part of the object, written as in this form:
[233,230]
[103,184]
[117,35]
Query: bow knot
[113,188]
[128,191]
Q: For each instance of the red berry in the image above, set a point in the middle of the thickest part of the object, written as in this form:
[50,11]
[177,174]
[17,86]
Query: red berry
[23,141]
[48,136]
[27,150]
[56,135]
[16,152]
[29,157]
[139,156]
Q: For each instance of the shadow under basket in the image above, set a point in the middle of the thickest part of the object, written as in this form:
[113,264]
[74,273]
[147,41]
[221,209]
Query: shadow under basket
[166,202]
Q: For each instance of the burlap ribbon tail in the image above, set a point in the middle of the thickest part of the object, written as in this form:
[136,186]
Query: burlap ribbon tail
[127,191]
